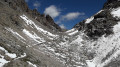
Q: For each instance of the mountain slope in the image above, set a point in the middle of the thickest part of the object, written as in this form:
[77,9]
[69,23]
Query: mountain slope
[21,35]
[102,33]
[21,6]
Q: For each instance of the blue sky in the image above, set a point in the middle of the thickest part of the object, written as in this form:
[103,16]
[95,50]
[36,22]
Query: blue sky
[67,13]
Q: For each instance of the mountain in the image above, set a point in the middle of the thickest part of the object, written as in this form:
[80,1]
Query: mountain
[102,34]
[25,35]
[21,6]
[31,39]
[101,23]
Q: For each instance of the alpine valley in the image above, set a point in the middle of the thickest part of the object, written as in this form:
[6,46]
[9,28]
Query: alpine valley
[31,39]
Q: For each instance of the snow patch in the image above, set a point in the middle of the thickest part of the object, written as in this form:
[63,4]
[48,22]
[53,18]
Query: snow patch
[33,25]
[100,11]
[78,40]
[11,55]
[27,20]
[15,33]
[90,63]
[72,32]
[31,64]
[50,49]
[116,28]
[34,36]
[89,20]
[22,56]
[3,61]
[116,12]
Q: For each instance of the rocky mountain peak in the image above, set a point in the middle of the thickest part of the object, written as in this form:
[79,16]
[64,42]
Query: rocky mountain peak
[111,4]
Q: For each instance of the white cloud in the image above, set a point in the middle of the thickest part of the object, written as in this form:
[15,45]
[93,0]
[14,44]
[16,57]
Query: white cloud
[62,26]
[26,0]
[36,4]
[72,15]
[53,11]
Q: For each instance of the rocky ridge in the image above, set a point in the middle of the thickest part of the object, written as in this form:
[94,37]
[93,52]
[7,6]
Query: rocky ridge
[21,6]
[100,23]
